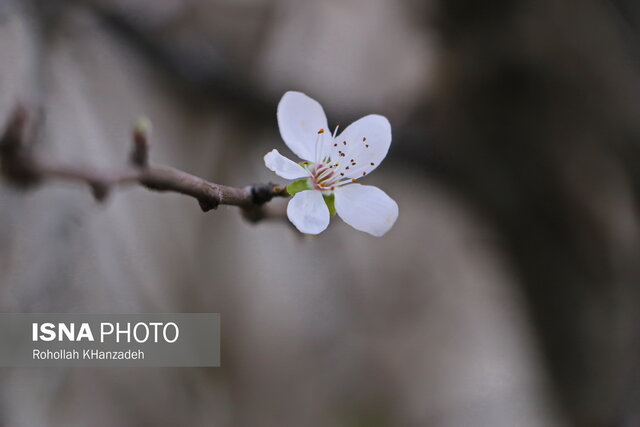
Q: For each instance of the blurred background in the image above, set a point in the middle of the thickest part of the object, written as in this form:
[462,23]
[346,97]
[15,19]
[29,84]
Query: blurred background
[505,295]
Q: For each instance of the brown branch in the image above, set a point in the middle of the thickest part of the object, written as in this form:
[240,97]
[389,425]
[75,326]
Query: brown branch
[22,168]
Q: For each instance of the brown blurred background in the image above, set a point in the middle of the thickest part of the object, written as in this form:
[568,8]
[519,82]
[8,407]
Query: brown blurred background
[505,295]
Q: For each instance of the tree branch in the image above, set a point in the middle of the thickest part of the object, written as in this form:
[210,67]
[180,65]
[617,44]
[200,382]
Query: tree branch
[22,168]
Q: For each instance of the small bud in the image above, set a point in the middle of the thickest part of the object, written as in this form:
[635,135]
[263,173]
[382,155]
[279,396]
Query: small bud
[140,151]
[143,125]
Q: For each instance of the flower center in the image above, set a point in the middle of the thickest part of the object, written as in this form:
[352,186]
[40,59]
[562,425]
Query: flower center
[325,174]
[326,177]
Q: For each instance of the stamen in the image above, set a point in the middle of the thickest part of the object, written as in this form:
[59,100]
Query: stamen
[316,147]
[344,181]
[322,175]
[335,131]
[326,179]
[318,137]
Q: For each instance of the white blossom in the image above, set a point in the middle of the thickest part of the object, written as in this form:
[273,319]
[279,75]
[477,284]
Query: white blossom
[331,165]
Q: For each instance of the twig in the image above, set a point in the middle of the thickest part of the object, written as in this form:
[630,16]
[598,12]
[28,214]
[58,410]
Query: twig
[22,168]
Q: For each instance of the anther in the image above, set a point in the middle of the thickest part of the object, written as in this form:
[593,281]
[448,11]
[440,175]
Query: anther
[372,164]
[321,131]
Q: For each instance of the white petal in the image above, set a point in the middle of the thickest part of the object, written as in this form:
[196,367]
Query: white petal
[284,167]
[366,208]
[300,118]
[366,141]
[308,212]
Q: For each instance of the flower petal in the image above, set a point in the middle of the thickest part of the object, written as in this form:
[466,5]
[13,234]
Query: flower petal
[300,118]
[366,208]
[284,167]
[362,146]
[308,212]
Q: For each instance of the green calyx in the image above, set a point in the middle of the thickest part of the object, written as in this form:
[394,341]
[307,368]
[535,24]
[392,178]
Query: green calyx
[330,200]
[298,186]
